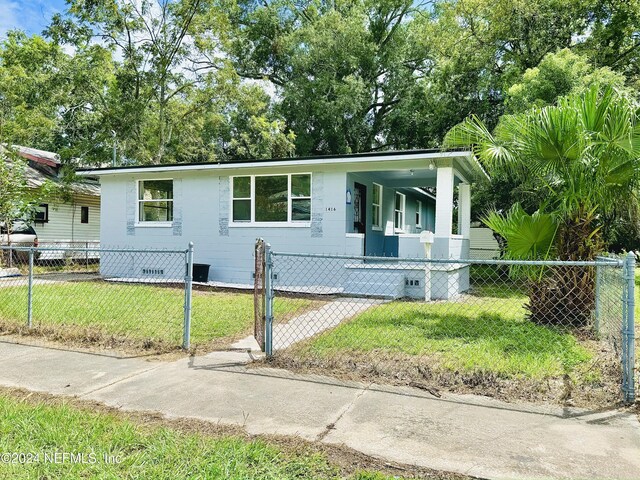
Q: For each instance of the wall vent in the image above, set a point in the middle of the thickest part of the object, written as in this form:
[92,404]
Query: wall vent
[153,271]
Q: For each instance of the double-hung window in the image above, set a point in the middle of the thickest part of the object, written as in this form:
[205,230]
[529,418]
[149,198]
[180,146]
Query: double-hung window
[400,203]
[419,214]
[271,198]
[376,203]
[155,201]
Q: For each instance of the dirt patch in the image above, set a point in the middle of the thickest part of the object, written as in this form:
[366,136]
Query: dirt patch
[581,389]
[348,460]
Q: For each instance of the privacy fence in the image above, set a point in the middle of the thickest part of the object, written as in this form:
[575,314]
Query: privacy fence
[112,298]
[551,331]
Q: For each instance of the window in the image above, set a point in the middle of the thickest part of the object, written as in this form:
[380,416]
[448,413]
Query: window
[242,199]
[271,198]
[419,214]
[401,201]
[376,222]
[42,213]
[84,214]
[155,201]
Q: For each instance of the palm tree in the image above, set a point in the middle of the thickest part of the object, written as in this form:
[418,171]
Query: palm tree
[585,153]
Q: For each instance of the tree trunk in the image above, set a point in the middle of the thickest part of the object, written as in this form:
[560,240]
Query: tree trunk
[565,295]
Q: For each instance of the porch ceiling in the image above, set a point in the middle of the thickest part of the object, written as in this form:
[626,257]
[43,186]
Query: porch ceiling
[407,178]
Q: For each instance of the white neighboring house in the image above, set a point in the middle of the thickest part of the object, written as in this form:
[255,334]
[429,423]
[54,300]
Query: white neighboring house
[72,221]
[483,244]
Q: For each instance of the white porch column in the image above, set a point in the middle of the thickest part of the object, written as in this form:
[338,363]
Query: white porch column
[464,210]
[444,201]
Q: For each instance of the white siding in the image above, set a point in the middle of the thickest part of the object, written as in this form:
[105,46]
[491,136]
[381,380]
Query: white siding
[483,245]
[64,221]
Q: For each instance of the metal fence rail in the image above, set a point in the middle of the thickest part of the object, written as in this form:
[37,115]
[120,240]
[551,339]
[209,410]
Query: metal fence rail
[109,297]
[532,330]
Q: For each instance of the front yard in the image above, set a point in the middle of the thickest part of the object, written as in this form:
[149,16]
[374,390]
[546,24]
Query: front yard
[480,342]
[132,314]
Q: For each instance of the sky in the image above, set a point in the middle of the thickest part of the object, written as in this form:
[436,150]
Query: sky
[32,16]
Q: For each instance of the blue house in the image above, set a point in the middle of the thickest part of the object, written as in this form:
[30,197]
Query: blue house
[371,204]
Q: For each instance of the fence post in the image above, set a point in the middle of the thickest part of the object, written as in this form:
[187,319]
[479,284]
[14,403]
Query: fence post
[628,331]
[268,307]
[598,306]
[188,285]
[30,291]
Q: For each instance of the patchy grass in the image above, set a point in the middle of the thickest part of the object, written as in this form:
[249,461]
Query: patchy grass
[480,342]
[143,313]
[479,334]
[147,450]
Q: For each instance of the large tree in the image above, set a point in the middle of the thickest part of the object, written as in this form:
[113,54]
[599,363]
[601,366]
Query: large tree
[584,152]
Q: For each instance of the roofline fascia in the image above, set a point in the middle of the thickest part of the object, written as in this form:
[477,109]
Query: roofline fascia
[337,160]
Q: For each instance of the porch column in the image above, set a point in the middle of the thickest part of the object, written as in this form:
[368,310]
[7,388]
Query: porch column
[444,202]
[464,210]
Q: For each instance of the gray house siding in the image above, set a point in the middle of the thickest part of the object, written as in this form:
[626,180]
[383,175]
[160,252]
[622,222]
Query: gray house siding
[203,203]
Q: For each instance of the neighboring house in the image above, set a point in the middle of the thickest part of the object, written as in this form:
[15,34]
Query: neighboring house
[72,219]
[372,204]
[483,244]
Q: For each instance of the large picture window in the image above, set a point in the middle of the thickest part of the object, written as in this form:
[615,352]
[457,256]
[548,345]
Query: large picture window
[271,198]
[376,222]
[155,201]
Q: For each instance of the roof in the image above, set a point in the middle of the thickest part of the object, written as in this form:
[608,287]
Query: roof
[40,156]
[37,177]
[353,158]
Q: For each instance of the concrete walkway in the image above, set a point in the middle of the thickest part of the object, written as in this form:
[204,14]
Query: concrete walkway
[459,433]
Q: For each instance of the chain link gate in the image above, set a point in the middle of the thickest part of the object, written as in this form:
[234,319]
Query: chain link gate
[259,293]
[533,330]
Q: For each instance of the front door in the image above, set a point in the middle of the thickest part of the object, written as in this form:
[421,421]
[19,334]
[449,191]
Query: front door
[360,210]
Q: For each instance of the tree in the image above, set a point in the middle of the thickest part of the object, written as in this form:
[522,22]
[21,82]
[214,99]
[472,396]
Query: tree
[339,69]
[18,200]
[585,151]
[558,74]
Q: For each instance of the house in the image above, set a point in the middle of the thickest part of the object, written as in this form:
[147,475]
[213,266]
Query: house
[373,204]
[70,219]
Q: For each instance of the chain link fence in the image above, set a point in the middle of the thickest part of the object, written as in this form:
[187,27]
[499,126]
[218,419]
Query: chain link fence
[559,332]
[119,299]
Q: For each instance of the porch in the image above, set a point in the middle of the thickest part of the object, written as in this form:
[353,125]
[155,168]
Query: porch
[419,212]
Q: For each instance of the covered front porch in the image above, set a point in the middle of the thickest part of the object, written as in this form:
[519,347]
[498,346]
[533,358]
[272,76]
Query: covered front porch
[388,211]
[420,211]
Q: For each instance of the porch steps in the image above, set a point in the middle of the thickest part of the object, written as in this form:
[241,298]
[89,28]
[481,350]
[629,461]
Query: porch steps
[375,282]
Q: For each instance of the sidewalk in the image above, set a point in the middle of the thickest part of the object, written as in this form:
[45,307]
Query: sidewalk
[459,433]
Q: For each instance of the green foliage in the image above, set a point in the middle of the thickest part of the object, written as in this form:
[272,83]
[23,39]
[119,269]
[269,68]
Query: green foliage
[476,340]
[140,316]
[198,80]
[584,151]
[18,199]
[528,237]
[557,74]
[144,450]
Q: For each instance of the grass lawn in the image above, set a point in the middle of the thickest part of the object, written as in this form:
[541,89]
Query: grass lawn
[137,312]
[484,332]
[146,451]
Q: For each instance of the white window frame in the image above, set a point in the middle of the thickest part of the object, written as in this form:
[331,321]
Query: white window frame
[402,212]
[142,223]
[419,214]
[290,222]
[376,220]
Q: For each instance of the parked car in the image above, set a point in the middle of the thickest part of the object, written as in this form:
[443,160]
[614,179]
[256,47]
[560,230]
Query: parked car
[22,235]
